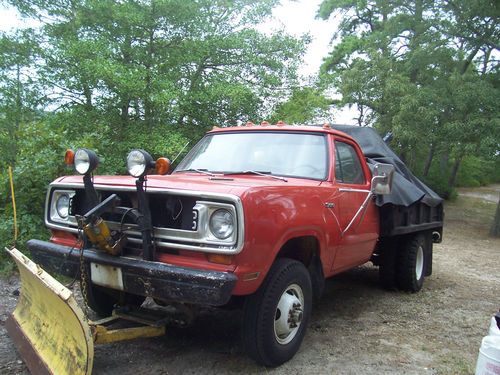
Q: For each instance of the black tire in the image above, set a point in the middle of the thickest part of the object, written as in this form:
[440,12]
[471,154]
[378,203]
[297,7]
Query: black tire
[317,279]
[288,281]
[103,300]
[411,266]
[387,264]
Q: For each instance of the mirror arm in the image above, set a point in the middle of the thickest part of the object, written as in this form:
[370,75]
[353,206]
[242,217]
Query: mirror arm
[360,210]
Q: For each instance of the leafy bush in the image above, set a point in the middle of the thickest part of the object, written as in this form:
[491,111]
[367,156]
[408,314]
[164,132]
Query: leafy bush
[440,186]
[475,171]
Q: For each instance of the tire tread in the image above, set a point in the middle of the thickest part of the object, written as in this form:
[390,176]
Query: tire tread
[260,307]
[406,260]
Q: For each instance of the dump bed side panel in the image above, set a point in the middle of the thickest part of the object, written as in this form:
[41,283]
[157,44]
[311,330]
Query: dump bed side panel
[397,220]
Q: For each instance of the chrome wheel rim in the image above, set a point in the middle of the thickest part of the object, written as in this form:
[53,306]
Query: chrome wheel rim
[288,315]
[419,264]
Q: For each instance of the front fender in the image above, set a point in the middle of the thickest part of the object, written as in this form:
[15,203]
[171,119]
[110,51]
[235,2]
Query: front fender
[273,218]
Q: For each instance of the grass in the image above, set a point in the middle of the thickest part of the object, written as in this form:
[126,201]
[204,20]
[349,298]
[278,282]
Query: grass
[474,211]
[7,267]
[454,365]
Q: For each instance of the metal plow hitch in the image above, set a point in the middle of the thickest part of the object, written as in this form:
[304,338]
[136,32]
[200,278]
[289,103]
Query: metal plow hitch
[51,332]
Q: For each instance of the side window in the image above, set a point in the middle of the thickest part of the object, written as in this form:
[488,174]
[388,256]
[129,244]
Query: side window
[347,165]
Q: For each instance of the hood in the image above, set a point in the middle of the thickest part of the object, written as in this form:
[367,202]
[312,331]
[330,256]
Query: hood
[234,184]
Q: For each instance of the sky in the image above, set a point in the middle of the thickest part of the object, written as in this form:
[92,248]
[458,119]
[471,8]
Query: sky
[297,17]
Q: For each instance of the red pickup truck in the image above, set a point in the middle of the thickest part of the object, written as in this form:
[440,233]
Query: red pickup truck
[256,216]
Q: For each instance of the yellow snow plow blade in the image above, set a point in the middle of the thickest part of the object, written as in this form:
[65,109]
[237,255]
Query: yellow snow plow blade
[48,328]
[52,333]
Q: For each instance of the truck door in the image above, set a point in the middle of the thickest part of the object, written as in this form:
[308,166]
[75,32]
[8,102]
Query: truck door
[351,184]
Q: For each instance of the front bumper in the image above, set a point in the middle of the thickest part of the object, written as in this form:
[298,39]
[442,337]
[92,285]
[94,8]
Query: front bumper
[151,279]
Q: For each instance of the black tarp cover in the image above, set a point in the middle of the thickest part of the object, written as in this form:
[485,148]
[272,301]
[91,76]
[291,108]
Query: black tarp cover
[406,188]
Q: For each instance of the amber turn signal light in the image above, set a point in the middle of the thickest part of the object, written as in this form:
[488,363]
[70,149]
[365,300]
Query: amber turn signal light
[220,258]
[69,157]
[162,166]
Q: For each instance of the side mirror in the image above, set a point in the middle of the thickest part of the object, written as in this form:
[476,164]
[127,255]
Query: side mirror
[382,178]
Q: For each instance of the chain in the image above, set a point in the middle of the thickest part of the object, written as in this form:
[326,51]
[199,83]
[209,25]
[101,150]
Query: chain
[152,229]
[83,270]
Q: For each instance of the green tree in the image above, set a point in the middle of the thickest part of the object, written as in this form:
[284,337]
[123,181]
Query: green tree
[165,61]
[304,105]
[19,91]
[424,70]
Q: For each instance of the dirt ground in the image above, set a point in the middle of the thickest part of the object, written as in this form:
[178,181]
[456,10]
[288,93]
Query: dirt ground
[358,328]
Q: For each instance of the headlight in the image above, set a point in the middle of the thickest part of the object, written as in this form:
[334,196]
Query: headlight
[62,206]
[85,161]
[222,224]
[139,162]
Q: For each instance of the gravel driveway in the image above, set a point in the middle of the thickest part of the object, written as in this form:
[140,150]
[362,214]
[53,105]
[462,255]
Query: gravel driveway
[358,328]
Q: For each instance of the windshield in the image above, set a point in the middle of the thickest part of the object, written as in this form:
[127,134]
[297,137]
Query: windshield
[282,154]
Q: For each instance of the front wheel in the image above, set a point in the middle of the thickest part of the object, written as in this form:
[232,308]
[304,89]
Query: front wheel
[275,318]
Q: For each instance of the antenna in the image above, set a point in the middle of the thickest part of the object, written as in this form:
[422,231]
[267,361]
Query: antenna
[180,152]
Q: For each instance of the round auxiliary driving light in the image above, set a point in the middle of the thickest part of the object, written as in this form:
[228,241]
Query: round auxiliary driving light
[85,161]
[139,162]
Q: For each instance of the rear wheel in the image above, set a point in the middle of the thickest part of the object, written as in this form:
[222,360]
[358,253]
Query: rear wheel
[387,264]
[275,318]
[411,267]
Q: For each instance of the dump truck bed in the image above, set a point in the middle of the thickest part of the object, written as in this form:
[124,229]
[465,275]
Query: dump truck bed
[398,220]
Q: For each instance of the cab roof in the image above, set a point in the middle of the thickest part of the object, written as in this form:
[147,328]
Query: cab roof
[280,127]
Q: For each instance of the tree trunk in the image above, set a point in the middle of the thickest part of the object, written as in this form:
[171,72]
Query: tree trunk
[469,59]
[495,227]
[124,95]
[87,92]
[148,106]
[454,171]
[403,155]
[428,162]
[443,163]
[486,60]
[412,159]
[361,111]
[124,114]
[137,110]
[148,111]
[415,40]
[13,130]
